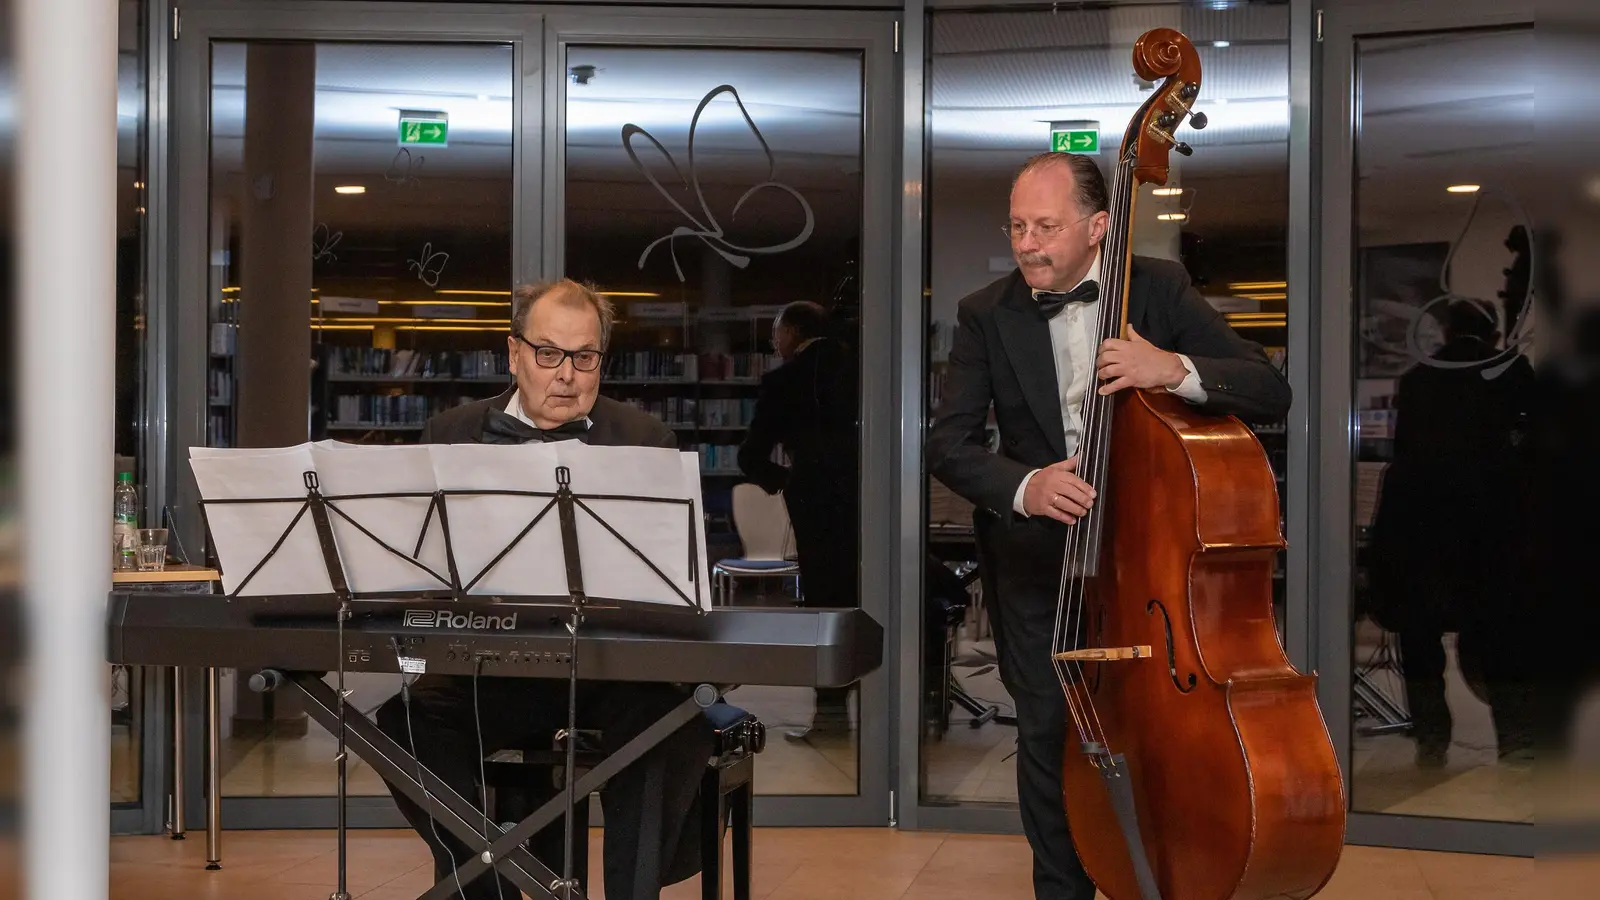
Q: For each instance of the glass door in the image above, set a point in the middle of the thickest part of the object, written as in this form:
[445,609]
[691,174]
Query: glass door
[370,197]
[1427,405]
[729,184]
[348,255]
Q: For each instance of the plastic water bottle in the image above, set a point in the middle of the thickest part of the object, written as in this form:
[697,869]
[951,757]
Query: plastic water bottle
[124,520]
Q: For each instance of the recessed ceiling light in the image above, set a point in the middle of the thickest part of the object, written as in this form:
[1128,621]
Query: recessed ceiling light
[1172,217]
[1462,189]
[350,189]
[1167,191]
[1221,101]
[1220,43]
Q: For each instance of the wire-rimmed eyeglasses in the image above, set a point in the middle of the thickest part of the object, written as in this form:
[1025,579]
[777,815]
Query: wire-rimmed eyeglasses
[1018,230]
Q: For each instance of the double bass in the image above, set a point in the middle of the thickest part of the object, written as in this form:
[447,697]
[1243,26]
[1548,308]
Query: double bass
[1204,769]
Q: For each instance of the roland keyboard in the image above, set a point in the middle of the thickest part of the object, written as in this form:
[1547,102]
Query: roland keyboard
[727,645]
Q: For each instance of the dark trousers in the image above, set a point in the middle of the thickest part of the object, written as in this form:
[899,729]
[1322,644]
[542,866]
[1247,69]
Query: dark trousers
[1020,596]
[650,837]
[827,541]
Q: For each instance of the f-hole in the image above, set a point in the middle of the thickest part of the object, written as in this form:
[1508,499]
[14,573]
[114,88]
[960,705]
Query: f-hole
[1098,639]
[1172,655]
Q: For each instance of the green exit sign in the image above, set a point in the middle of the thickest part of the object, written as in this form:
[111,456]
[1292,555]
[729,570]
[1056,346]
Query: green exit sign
[424,127]
[1075,141]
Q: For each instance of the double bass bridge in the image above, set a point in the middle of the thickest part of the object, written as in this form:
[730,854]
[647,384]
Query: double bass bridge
[1104,654]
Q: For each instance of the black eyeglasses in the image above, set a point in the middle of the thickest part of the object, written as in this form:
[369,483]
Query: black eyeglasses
[549,357]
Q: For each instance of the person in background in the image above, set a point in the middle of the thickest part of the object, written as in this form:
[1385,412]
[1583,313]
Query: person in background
[809,405]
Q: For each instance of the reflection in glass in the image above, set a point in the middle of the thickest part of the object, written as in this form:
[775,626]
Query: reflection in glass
[706,190]
[997,82]
[1441,709]
[360,282]
[127,682]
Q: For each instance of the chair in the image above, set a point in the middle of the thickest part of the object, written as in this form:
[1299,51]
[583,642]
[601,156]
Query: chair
[762,522]
[518,780]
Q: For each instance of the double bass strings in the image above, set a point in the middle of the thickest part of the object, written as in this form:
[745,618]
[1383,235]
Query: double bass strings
[1093,467]
[1080,533]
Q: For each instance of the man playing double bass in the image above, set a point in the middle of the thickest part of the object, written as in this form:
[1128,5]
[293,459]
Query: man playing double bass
[1024,345]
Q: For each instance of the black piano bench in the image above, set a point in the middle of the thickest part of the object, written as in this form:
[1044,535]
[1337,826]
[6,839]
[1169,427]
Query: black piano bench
[518,782]
[727,797]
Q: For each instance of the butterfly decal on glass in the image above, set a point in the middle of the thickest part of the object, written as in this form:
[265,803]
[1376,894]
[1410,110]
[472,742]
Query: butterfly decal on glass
[429,264]
[322,243]
[705,226]
[403,169]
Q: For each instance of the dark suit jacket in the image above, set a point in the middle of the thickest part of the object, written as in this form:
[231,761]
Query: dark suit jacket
[1002,357]
[809,405]
[613,424]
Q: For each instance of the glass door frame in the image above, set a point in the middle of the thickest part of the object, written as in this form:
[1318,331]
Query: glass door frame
[1335,433]
[539,35]
[1300,625]
[185,307]
[874,35]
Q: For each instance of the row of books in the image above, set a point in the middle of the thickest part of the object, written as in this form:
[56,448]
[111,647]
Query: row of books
[713,413]
[717,458]
[386,409]
[663,365]
[373,362]
[219,387]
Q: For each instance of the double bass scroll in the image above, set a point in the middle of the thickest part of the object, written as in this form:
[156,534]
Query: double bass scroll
[1211,776]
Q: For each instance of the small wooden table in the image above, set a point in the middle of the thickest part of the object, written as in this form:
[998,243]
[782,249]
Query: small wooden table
[169,575]
[200,579]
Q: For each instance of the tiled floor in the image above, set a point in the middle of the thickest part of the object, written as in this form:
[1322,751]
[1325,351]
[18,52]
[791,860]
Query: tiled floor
[790,864]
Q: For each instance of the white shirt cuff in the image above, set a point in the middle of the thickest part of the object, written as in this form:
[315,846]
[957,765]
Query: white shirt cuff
[1190,389]
[1016,502]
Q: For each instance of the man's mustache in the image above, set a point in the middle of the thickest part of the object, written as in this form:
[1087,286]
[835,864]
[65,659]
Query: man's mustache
[1034,259]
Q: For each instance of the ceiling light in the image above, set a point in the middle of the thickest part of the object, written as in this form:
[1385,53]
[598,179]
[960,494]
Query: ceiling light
[1172,217]
[1221,101]
[350,189]
[1220,44]
[1462,189]
[1167,191]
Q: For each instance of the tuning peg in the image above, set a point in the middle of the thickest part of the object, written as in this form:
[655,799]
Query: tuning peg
[1183,148]
[1198,121]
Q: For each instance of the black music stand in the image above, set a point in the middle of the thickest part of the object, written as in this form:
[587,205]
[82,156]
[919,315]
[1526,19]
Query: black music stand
[503,848]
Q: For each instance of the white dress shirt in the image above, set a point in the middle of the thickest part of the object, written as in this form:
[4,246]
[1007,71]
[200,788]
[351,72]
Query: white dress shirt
[1073,333]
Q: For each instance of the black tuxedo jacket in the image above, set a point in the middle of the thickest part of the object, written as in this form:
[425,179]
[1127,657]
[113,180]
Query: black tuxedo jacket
[1002,357]
[613,424]
[809,405]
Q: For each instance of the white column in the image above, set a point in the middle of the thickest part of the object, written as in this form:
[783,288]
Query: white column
[66,178]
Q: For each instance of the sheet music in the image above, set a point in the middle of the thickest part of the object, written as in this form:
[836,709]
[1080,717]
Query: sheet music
[670,535]
[481,526]
[244,533]
[659,532]
[397,521]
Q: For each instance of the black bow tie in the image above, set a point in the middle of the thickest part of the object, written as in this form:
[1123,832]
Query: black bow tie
[1051,302]
[501,427]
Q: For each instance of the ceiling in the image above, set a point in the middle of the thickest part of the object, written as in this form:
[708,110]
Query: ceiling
[1435,110]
